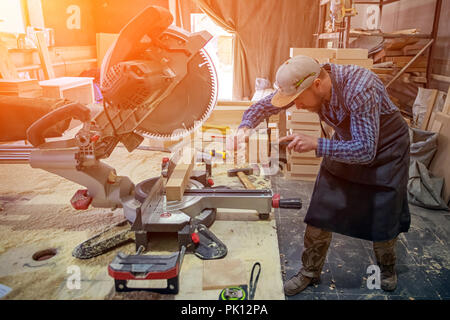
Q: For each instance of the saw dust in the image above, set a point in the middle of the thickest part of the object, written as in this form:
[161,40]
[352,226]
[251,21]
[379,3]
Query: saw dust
[36,214]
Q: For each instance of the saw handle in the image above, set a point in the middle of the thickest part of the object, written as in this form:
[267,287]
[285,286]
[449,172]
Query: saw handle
[293,203]
[35,133]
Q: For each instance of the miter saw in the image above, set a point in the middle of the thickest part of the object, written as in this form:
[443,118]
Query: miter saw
[158,82]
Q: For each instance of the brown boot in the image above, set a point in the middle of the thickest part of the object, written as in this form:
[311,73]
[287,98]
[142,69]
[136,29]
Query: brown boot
[298,283]
[316,243]
[388,277]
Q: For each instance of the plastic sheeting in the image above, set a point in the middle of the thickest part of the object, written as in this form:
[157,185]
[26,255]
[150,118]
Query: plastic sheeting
[424,190]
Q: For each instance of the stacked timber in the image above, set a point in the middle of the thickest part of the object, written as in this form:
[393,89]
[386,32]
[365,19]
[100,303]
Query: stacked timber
[303,166]
[20,88]
[353,56]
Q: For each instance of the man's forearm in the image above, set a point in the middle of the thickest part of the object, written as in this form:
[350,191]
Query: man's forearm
[259,111]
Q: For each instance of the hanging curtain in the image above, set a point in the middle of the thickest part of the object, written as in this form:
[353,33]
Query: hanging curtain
[263,31]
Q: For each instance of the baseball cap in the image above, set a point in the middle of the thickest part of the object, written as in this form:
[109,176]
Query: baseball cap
[293,77]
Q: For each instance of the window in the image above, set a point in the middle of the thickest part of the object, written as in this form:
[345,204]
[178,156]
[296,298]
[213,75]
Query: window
[220,49]
[11,17]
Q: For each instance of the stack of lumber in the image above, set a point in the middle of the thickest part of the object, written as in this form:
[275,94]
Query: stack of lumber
[303,166]
[354,56]
[395,54]
[20,88]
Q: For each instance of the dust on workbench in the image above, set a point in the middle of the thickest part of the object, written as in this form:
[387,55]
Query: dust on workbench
[35,214]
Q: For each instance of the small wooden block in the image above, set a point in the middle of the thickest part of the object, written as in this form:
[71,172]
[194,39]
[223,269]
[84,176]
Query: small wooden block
[304,169]
[219,274]
[313,133]
[352,53]
[304,177]
[178,180]
[307,126]
[366,63]
[298,116]
[318,53]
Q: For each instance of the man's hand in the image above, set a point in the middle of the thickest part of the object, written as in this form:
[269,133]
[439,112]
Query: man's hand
[300,142]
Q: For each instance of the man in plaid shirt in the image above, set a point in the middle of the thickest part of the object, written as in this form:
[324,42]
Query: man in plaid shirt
[361,189]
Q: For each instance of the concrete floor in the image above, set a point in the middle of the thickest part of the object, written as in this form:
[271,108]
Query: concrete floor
[423,254]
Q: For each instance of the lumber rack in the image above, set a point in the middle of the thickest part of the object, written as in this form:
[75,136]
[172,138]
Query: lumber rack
[344,37]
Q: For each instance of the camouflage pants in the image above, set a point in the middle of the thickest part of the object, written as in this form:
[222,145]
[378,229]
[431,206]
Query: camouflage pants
[317,241]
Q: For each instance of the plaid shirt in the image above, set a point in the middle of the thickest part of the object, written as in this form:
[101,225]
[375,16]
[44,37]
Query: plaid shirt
[366,99]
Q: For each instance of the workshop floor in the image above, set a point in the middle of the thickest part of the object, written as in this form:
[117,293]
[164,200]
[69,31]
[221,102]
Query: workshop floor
[423,254]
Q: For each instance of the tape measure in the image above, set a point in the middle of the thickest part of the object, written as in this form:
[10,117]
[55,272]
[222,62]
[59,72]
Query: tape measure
[234,293]
[241,292]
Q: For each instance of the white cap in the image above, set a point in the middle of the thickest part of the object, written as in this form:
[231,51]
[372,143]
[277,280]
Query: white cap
[293,77]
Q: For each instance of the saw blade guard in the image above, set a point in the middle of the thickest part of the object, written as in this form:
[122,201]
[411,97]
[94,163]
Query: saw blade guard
[156,80]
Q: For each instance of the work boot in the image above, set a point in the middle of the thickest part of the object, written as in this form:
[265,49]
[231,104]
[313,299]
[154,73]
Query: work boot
[388,277]
[298,283]
[386,258]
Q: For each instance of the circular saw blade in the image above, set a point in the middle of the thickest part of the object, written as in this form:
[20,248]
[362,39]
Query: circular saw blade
[188,105]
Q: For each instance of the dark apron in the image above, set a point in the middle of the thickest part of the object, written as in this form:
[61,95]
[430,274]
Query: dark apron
[367,201]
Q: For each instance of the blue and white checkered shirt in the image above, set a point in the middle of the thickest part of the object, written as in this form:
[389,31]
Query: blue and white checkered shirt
[366,98]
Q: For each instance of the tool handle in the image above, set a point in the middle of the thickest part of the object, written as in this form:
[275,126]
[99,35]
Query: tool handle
[245,181]
[290,203]
[35,133]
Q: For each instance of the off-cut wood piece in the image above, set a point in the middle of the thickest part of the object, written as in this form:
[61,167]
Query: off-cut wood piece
[7,67]
[410,62]
[439,164]
[307,126]
[303,177]
[353,53]
[430,105]
[222,273]
[365,63]
[178,180]
[304,169]
[299,116]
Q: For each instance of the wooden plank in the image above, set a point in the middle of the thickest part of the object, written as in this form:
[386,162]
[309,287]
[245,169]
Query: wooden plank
[430,104]
[409,63]
[402,61]
[351,53]
[366,63]
[437,122]
[176,184]
[312,133]
[303,126]
[303,177]
[304,116]
[307,161]
[46,63]
[304,168]
[309,154]
[219,274]
[439,164]
[226,115]
[446,108]
[7,68]
[103,42]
